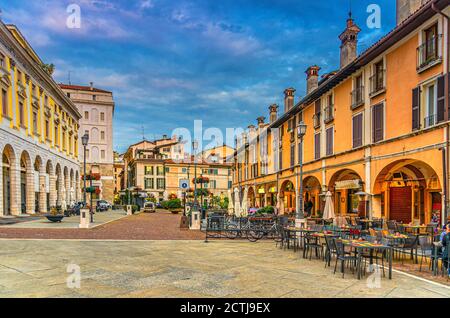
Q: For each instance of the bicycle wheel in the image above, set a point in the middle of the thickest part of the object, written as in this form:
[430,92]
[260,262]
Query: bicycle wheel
[232,231]
[254,235]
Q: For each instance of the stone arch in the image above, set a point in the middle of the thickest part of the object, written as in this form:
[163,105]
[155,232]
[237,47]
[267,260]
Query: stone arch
[10,183]
[251,197]
[344,185]
[312,195]
[287,202]
[414,184]
[27,192]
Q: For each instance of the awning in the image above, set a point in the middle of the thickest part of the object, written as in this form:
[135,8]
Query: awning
[347,185]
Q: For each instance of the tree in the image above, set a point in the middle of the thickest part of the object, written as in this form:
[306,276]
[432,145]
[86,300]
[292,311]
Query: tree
[48,68]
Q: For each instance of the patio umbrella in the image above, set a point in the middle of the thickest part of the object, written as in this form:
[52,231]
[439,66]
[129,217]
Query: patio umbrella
[230,203]
[237,206]
[328,212]
[244,208]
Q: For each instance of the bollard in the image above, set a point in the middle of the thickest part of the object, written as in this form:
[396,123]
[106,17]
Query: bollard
[196,222]
[85,219]
[129,210]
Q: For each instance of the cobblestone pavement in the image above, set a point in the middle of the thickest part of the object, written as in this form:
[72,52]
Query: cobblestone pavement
[157,226]
[38,268]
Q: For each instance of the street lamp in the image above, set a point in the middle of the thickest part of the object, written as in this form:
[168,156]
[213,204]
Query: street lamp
[84,141]
[194,150]
[301,132]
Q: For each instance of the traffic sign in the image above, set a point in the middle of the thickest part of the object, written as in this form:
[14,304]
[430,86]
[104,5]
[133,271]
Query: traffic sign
[184,184]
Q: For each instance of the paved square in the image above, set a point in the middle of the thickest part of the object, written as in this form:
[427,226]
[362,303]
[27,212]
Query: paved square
[33,268]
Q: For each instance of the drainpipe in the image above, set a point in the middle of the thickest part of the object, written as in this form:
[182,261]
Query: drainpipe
[446,149]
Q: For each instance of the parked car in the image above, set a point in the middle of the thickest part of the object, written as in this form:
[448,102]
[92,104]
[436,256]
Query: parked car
[149,207]
[103,206]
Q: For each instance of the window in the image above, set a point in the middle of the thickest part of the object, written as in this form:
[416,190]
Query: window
[64,140]
[47,129]
[103,154]
[330,141]
[56,135]
[160,183]
[317,113]
[46,100]
[213,184]
[377,79]
[149,170]
[35,123]
[86,115]
[68,95]
[94,97]
[378,123]
[428,52]
[4,103]
[87,153]
[19,76]
[21,114]
[2,61]
[102,116]
[184,170]
[160,171]
[357,130]
[317,146]
[292,155]
[149,183]
[358,92]
[102,134]
[431,105]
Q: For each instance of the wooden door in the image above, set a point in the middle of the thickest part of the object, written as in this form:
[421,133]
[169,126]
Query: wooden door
[400,204]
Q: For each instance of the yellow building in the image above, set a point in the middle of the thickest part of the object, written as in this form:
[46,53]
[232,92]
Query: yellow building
[379,125]
[38,132]
[156,168]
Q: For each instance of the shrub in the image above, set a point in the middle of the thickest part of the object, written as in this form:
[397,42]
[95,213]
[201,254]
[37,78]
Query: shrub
[171,204]
[266,210]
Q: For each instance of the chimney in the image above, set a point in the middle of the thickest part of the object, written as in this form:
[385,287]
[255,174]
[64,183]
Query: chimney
[289,95]
[312,78]
[273,109]
[91,86]
[405,8]
[260,121]
[349,42]
[164,137]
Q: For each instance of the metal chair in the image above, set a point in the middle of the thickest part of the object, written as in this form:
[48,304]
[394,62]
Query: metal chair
[426,248]
[342,256]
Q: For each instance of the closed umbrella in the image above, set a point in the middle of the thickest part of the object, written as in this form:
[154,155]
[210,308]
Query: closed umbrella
[328,213]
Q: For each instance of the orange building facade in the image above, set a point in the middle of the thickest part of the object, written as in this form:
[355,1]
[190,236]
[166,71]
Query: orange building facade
[377,130]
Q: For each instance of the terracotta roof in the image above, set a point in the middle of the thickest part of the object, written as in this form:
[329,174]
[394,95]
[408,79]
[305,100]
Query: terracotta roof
[82,88]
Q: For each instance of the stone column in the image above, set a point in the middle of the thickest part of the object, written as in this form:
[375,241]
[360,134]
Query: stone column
[67,192]
[31,196]
[42,193]
[2,212]
[53,192]
[15,190]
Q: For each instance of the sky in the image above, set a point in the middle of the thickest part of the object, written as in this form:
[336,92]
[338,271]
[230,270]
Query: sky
[170,62]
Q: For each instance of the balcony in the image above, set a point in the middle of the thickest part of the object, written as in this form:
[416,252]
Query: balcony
[316,120]
[357,97]
[430,121]
[377,83]
[329,114]
[428,53]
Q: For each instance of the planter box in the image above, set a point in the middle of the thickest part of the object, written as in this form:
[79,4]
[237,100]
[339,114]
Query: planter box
[176,211]
[55,218]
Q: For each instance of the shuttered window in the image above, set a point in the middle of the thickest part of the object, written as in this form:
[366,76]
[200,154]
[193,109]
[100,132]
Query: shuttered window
[416,108]
[378,122]
[292,155]
[357,131]
[317,146]
[330,140]
[440,99]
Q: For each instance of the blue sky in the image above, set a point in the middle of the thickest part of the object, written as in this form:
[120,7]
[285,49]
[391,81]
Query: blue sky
[172,62]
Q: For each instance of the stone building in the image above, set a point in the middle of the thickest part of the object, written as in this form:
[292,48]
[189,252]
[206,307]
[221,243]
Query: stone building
[97,109]
[38,132]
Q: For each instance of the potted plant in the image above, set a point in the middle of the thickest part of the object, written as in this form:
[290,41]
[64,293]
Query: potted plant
[55,216]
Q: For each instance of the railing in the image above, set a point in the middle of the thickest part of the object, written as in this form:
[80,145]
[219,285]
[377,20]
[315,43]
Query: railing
[377,82]
[430,121]
[428,52]
[316,119]
[329,114]
[357,97]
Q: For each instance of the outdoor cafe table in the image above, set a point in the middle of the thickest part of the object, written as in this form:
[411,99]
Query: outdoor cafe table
[300,231]
[415,229]
[361,245]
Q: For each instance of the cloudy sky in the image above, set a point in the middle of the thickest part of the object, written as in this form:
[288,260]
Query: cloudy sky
[170,62]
